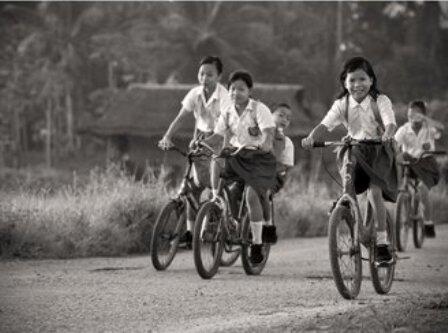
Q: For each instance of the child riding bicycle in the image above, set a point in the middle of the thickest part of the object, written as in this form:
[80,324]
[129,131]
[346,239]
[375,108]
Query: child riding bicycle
[366,114]
[205,101]
[248,126]
[415,137]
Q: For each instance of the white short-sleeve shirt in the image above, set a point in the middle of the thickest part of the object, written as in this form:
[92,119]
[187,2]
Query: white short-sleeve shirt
[256,115]
[412,143]
[206,113]
[287,155]
[361,118]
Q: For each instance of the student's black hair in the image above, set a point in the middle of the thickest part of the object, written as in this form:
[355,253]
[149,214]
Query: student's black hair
[418,104]
[212,60]
[281,105]
[352,65]
[241,75]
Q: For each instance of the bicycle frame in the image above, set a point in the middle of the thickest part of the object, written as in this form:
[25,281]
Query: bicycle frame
[360,233]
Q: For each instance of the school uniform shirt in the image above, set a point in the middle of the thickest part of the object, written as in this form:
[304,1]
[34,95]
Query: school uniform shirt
[285,155]
[412,143]
[361,118]
[245,130]
[205,112]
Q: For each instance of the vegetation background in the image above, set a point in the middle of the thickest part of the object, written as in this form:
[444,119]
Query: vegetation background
[61,60]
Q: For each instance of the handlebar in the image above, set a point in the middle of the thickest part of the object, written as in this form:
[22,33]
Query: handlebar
[415,160]
[352,142]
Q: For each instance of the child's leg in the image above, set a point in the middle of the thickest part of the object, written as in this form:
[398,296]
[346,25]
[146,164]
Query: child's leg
[424,199]
[255,215]
[191,216]
[375,196]
[215,175]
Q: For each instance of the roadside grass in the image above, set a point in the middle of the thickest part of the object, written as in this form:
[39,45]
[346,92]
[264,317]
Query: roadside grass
[106,213]
[109,214]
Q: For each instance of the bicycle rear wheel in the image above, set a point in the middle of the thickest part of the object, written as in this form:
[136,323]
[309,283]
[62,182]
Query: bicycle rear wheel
[207,240]
[345,253]
[383,276]
[418,231]
[166,233]
[249,267]
[402,220]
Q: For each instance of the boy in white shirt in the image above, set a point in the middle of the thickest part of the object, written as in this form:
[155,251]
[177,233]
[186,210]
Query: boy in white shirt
[413,138]
[205,102]
[283,149]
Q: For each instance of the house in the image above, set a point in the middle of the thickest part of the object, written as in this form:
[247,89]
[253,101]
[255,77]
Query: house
[135,119]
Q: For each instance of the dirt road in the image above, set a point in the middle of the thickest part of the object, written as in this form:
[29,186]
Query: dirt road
[294,293]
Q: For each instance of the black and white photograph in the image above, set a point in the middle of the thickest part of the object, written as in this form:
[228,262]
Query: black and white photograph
[224,166]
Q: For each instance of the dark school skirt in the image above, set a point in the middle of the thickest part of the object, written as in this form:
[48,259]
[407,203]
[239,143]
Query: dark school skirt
[253,167]
[426,170]
[374,165]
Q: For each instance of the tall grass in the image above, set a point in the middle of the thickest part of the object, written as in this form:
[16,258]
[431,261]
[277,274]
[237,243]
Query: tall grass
[107,215]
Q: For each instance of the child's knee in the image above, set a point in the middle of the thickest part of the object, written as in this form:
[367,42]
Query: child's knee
[375,193]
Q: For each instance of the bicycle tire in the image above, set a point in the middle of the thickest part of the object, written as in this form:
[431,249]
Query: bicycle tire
[382,277]
[340,218]
[249,267]
[402,220]
[418,231]
[208,211]
[161,237]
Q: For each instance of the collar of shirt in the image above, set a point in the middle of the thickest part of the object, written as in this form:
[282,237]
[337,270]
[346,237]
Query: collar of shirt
[249,107]
[213,97]
[364,105]
[421,132]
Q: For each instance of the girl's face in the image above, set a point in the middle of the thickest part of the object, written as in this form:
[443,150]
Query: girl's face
[282,117]
[239,92]
[208,75]
[358,84]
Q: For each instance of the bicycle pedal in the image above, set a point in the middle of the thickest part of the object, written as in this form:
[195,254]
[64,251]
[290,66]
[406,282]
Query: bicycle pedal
[403,258]
[384,263]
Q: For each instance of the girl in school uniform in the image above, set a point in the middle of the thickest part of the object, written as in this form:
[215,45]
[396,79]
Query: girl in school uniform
[205,102]
[367,114]
[247,123]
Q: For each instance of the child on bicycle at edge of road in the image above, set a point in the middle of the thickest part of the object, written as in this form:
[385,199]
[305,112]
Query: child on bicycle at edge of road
[247,125]
[366,114]
[205,101]
[413,138]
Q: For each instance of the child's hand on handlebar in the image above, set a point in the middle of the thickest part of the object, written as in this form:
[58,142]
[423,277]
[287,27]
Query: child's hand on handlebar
[307,143]
[165,143]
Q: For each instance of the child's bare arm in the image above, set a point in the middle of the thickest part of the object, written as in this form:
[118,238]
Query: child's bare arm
[267,143]
[175,124]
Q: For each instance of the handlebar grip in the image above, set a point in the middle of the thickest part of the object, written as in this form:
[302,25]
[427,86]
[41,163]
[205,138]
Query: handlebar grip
[319,144]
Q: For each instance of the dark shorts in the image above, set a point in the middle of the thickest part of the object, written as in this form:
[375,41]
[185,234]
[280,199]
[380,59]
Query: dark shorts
[253,167]
[374,165]
[426,170]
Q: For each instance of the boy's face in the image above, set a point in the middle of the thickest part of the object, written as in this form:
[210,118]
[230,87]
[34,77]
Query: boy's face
[282,117]
[415,116]
[358,84]
[239,92]
[208,75]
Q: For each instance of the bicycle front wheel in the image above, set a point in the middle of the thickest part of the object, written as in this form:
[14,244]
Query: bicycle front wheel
[402,220]
[418,231]
[383,276]
[345,253]
[207,240]
[166,233]
[249,267]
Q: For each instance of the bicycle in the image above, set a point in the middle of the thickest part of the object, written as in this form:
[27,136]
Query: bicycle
[217,231]
[349,229]
[171,221]
[408,212]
